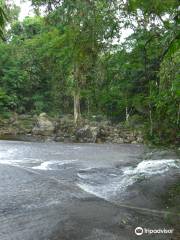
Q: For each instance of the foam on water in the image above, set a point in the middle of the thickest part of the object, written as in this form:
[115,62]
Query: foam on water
[44,165]
[41,205]
[7,153]
[16,162]
[109,190]
[49,165]
[152,167]
[126,177]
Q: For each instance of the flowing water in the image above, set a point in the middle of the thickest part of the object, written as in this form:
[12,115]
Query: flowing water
[82,191]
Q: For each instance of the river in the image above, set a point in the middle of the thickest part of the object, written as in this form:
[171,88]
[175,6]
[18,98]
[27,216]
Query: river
[53,191]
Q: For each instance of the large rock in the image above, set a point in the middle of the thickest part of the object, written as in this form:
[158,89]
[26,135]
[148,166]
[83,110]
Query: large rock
[43,126]
[63,129]
[87,134]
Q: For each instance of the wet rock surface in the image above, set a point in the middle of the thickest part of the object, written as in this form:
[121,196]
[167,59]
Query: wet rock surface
[53,191]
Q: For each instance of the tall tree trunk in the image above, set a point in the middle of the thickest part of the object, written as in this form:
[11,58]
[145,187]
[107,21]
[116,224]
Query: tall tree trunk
[178,115]
[88,106]
[127,115]
[77,111]
[150,120]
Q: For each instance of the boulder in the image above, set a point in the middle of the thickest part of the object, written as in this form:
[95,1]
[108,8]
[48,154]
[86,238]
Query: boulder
[87,134]
[43,126]
[139,139]
[119,140]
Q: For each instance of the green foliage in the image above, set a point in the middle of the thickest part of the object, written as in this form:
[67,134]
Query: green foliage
[4,100]
[153,6]
[47,60]
[167,100]
[2,18]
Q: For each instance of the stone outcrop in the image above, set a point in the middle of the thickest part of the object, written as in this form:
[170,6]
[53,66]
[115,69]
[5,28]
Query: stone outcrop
[63,129]
[87,134]
[43,126]
[16,125]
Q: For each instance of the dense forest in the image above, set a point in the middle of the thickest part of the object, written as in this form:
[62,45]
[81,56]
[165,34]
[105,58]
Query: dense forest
[70,58]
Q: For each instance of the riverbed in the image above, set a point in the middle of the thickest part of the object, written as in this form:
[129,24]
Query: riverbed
[52,191]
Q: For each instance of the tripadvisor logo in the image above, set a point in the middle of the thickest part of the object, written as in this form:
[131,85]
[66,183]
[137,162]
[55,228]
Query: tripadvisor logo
[140,231]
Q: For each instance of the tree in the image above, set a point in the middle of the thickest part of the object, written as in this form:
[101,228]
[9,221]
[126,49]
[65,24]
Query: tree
[68,62]
[2,19]
[87,25]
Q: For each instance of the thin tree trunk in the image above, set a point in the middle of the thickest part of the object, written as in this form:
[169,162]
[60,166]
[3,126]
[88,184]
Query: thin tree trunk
[77,110]
[88,106]
[127,115]
[178,115]
[150,119]
[76,106]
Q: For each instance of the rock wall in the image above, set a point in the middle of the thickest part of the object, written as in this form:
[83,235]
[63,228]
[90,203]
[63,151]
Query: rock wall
[63,129]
